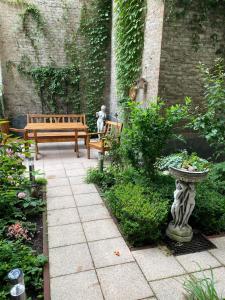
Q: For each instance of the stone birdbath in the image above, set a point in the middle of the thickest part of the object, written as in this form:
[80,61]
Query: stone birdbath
[184,202]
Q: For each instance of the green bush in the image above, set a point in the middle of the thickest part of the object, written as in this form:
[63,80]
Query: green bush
[209,121]
[148,131]
[209,213]
[142,216]
[16,255]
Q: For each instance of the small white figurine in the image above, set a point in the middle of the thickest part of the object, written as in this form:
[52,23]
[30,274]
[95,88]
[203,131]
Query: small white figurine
[101,115]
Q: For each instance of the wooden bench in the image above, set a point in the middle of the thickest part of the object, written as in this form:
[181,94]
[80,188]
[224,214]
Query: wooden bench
[58,136]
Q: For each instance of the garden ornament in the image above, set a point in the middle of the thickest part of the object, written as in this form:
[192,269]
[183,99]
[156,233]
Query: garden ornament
[101,115]
[184,202]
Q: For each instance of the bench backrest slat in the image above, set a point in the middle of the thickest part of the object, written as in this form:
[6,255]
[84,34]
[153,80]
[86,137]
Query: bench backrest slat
[113,128]
[46,118]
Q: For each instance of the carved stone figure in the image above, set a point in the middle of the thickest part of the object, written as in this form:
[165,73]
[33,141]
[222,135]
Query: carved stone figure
[101,115]
[183,205]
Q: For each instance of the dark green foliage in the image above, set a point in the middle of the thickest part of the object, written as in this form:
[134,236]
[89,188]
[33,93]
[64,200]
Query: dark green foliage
[58,87]
[13,254]
[148,131]
[130,23]
[142,216]
[104,179]
[94,37]
[209,213]
[210,121]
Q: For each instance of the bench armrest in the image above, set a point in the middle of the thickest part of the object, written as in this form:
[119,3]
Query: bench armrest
[17,130]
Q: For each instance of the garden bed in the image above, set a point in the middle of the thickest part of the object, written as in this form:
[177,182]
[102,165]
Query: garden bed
[23,242]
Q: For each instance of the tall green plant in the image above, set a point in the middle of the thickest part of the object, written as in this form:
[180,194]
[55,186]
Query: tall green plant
[130,22]
[93,52]
[148,131]
[210,120]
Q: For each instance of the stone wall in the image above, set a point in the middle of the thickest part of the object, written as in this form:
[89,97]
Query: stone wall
[152,50]
[179,74]
[61,18]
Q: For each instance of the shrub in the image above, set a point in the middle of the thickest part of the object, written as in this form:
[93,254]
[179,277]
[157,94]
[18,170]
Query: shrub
[148,131]
[104,180]
[13,254]
[210,121]
[209,213]
[142,216]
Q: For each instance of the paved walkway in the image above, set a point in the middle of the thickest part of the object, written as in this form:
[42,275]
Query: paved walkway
[88,256]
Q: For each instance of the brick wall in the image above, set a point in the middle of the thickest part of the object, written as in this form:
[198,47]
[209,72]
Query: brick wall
[179,75]
[19,92]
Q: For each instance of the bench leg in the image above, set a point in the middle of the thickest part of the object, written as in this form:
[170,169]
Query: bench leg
[88,152]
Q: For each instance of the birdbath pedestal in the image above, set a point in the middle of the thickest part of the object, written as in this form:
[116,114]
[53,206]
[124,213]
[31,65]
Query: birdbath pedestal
[184,202]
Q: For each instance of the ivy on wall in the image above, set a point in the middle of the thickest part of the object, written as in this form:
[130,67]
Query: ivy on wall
[29,12]
[129,23]
[201,14]
[57,87]
[92,54]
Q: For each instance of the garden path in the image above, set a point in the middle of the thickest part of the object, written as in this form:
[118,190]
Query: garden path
[89,258]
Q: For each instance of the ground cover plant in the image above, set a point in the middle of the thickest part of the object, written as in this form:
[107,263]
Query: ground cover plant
[20,210]
[138,192]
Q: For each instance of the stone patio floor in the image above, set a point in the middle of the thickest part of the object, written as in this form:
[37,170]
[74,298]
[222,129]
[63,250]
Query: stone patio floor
[84,240]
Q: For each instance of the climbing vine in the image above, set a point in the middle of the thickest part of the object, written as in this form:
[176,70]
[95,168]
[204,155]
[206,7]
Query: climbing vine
[29,11]
[130,23]
[92,54]
[202,12]
[57,87]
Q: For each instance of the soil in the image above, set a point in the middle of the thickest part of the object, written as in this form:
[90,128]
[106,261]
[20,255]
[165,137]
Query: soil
[38,238]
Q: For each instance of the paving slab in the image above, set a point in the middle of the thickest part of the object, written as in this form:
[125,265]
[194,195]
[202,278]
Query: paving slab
[93,212]
[53,166]
[169,289]
[73,165]
[62,216]
[80,286]
[88,199]
[101,229]
[123,282]
[219,253]
[59,191]
[56,182]
[197,261]
[83,189]
[65,235]
[75,172]
[60,202]
[110,252]
[55,174]
[69,259]
[77,180]
[155,264]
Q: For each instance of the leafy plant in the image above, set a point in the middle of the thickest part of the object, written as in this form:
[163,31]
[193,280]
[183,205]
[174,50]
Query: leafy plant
[94,36]
[210,206]
[57,87]
[129,26]
[142,216]
[201,288]
[13,254]
[210,121]
[148,131]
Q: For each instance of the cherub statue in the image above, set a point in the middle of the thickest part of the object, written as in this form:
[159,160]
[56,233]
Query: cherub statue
[101,115]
